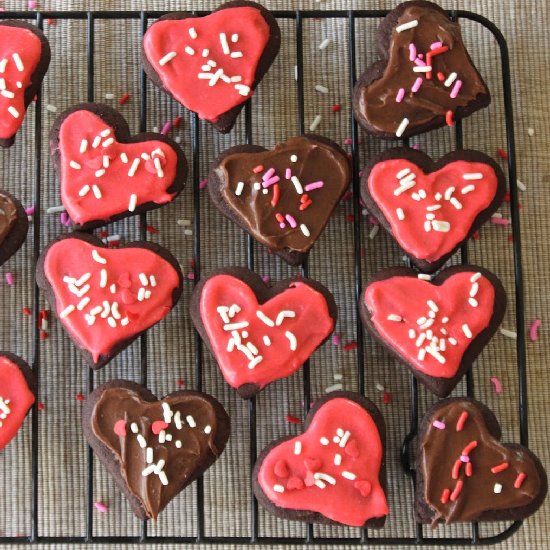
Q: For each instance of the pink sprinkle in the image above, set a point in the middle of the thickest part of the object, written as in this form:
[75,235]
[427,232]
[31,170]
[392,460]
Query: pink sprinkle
[268,174]
[417,84]
[32,4]
[191,276]
[282,225]
[497,384]
[438,424]
[314,185]
[348,141]
[533,330]
[288,173]
[203,183]
[291,221]
[464,458]
[265,278]
[419,61]
[166,128]
[412,52]
[400,95]
[336,339]
[436,45]
[500,221]
[30,211]
[415,146]
[373,220]
[10,279]
[456,89]
[64,219]
[271,181]
[100,507]
[421,56]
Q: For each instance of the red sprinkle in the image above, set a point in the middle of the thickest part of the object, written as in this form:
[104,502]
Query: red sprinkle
[151,229]
[449,118]
[386,398]
[350,346]
[203,183]
[43,335]
[177,121]
[350,218]
[40,406]
[279,217]
[276,194]
[470,447]
[456,469]
[347,196]
[440,76]
[507,196]
[445,496]
[26,311]
[336,108]
[258,169]
[191,276]
[292,419]
[79,397]
[461,421]
[497,384]
[469,469]
[475,236]
[51,21]
[502,154]
[456,490]
[158,425]
[510,238]
[123,99]
[180,383]
[103,234]
[500,468]
[305,204]
[519,480]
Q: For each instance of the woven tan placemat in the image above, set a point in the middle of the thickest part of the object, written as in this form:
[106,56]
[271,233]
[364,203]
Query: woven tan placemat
[62,452]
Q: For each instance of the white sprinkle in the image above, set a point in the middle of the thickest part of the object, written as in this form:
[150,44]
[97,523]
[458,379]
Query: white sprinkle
[284,314]
[374,231]
[148,470]
[531,132]
[99,173]
[225,45]
[163,478]
[141,294]
[2,84]
[144,280]
[320,484]
[134,428]
[441,226]
[297,185]
[97,191]
[509,333]
[168,57]
[177,420]
[149,455]
[305,230]
[207,429]
[344,439]
[264,318]
[109,95]
[394,317]
[337,459]
[255,361]
[292,340]
[236,78]
[449,191]
[293,158]
[421,354]
[324,44]
[253,349]
[191,421]
[521,186]
[124,321]
[497,488]
[18,62]
[3,64]
[403,173]
[105,133]
[193,33]
[235,326]
[257,186]
[75,165]
[134,167]
[189,50]
[334,387]
[450,79]
[321,89]
[402,127]
[324,441]
[297,447]
[422,69]
[436,354]
[96,257]
[239,189]
[114,311]
[400,214]
[83,303]
[111,322]
[278,488]
[456,203]
[266,340]
[420,339]
[215,77]
[324,477]
[141,441]
[337,376]
[466,330]
[473,176]
[236,55]
[468,189]
[84,191]
[473,302]
[348,475]
[475,277]
[412,333]
[8,94]
[315,123]
[432,305]
[67,311]
[407,26]
[405,185]
[133,202]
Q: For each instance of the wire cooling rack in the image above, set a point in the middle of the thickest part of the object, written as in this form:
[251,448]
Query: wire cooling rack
[418,534]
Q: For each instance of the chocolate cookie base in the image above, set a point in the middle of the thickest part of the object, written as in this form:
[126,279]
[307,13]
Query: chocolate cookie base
[16,237]
[43,283]
[122,134]
[316,517]
[263,292]
[438,385]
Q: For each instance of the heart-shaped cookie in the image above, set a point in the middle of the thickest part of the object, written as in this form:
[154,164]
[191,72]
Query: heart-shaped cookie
[334,472]
[105,298]
[432,208]
[437,328]
[24,60]
[257,333]
[14,225]
[153,448]
[465,474]
[17,394]
[283,197]
[424,78]
[212,64]
[106,173]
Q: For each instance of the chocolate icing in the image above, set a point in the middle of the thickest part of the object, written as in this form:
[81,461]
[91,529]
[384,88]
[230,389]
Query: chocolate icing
[316,161]
[197,447]
[442,448]
[377,101]
[8,216]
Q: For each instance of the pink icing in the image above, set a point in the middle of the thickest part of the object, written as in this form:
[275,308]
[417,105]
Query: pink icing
[460,213]
[308,326]
[347,501]
[180,75]
[25,44]
[408,297]
[73,258]
[149,182]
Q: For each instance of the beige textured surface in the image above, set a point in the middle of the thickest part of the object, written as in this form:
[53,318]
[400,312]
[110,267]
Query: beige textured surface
[62,459]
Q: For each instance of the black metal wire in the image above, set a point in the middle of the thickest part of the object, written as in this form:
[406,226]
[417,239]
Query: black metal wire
[298,17]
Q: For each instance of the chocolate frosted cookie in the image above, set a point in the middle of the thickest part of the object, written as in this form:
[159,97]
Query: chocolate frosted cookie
[24,60]
[17,394]
[465,474]
[212,64]
[424,78]
[285,196]
[14,225]
[108,174]
[260,333]
[436,328]
[334,472]
[105,298]
[153,448]
[432,208]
